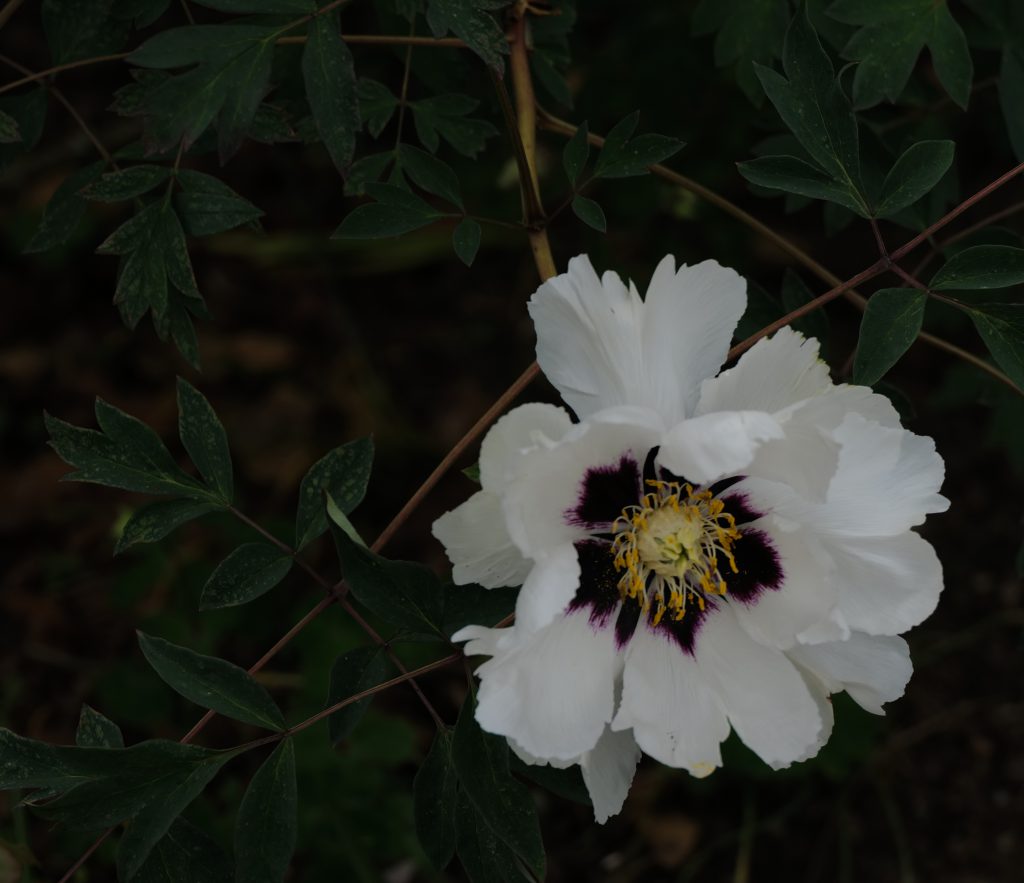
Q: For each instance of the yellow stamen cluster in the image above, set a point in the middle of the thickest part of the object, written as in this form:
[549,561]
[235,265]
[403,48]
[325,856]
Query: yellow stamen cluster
[669,545]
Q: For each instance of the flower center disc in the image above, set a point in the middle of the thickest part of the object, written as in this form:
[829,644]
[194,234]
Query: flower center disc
[669,547]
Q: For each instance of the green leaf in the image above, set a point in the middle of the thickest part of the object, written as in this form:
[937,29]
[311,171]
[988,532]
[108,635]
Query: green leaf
[915,173]
[353,672]
[484,856]
[127,455]
[795,293]
[466,240]
[382,220]
[430,173]
[207,205]
[474,605]
[1011,97]
[503,804]
[185,855]
[469,21]
[126,183]
[982,266]
[261,7]
[446,116]
[96,731]
[155,521]
[267,824]
[376,106]
[405,594]
[331,88]
[151,824]
[252,570]
[10,133]
[616,140]
[1001,326]
[212,683]
[890,325]
[892,37]
[813,106]
[342,520]
[343,474]
[576,153]
[590,213]
[28,109]
[637,156]
[567,783]
[64,210]
[434,801]
[792,175]
[205,440]
[367,170]
[76,30]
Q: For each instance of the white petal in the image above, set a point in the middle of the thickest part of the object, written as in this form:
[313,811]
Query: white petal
[773,374]
[608,770]
[675,718]
[553,692]
[886,585]
[887,480]
[872,669]
[707,448]
[478,545]
[764,695]
[689,319]
[805,599]
[484,641]
[548,589]
[528,426]
[539,500]
[588,338]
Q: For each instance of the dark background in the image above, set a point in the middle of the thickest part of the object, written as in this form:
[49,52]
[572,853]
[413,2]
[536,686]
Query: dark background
[315,342]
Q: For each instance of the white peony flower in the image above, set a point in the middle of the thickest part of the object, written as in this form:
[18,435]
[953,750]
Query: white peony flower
[698,552]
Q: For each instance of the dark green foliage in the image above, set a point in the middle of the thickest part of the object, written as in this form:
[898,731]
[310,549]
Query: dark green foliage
[913,175]
[447,116]
[795,293]
[212,683]
[590,213]
[64,211]
[229,72]
[485,857]
[267,7]
[567,783]
[470,21]
[497,815]
[475,605]
[466,240]
[576,153]
[331,88]
[890,325]
[205,440]
[9,130]
[153,522]
[395,212]
[429,173]
[343,474]
[399,592]
[126,183]
[250,571]
[891,38]
[981,267]
[185,854]
[96,731]
[376,105]
[434,801]
[267,822]
[28,110]
[353,672]
[624,156]
[207,205]
[1001,326]
[76,29]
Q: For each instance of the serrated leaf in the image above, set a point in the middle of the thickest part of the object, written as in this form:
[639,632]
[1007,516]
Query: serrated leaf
[1001,326]
[589,212]
[331,88]
[96,731]
[64,210]
[466,240]
[377,105]
[250,571]
[156,520]
[267,824]
[469,21]
[575,153]
[790,174]
[638,155]
[890,325]
[185,854]
[204,438]
[126,183]
[343,474]
[353,672]
[382,221]
[405,594]
[430,173]
[212,683]
[447,116]
[503,804]
[913,175]
[149,826]
[76,30]
[10,132]
[434,801]
[207,205]
[981,267]
[131,458]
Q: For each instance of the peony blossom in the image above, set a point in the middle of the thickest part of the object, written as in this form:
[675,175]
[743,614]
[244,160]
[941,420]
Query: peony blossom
[698,551]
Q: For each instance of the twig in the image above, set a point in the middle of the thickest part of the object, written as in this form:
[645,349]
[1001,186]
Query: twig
[9,9]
